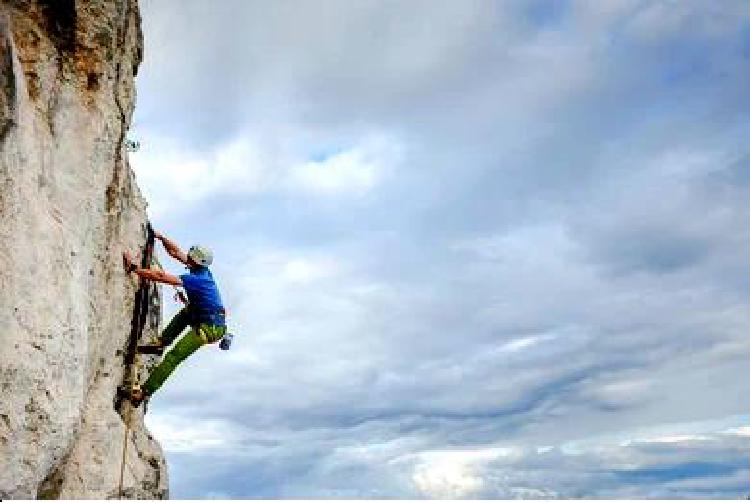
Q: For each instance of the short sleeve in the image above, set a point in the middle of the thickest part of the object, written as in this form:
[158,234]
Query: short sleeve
[187,280]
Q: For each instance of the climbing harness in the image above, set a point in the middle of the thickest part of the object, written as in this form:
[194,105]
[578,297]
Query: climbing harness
[132,359]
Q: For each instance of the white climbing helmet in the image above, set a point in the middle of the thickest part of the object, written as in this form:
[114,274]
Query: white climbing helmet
[201,255]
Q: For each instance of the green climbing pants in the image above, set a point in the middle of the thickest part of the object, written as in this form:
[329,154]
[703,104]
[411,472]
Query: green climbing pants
[192,341]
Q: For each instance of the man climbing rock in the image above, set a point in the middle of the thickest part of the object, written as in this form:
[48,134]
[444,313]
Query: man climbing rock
[204,313]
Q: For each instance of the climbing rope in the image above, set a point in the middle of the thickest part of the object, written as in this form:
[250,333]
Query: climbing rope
[124,450]
[135,384]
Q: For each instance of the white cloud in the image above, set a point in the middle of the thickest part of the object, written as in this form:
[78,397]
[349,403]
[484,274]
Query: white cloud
[272,270]
[520,344]
[453,474]
[535,472]
[740,431]
[180,434]
[305,270]
[676,438]
[353,171]
[172,174]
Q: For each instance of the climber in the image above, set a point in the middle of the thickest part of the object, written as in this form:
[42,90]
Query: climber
[204,313]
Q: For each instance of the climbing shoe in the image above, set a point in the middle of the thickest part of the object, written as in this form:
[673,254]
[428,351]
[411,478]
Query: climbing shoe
[135,396]
[155,348]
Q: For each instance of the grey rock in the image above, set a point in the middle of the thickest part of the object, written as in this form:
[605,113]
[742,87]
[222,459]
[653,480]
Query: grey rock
[69,205]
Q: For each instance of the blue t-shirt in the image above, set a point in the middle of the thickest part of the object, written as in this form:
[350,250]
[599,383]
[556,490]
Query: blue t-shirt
[203,296]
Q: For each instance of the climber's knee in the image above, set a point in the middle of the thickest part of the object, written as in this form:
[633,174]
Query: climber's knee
[172,359]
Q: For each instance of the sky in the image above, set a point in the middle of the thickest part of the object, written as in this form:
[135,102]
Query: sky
[469,249]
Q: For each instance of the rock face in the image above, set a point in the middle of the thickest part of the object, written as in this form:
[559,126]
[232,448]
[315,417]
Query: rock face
[69,205]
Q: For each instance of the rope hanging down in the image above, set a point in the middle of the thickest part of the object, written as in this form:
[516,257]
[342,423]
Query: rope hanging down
[140,313]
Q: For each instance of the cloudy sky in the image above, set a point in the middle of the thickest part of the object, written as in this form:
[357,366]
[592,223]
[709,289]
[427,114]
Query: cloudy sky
[469,249]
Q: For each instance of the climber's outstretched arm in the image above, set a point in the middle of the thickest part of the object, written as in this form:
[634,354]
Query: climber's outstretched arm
[158,276]
[151,275]
[171,248]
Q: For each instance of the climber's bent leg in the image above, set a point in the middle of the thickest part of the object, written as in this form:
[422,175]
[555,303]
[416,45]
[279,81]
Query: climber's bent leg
[176,326]
[181,351]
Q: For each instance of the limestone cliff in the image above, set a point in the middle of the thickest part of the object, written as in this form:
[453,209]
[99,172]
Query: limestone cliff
[69,205]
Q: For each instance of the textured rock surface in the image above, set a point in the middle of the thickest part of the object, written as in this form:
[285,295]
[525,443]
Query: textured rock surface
[68,206]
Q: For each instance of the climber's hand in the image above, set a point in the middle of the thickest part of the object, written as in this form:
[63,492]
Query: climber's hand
[127,260]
